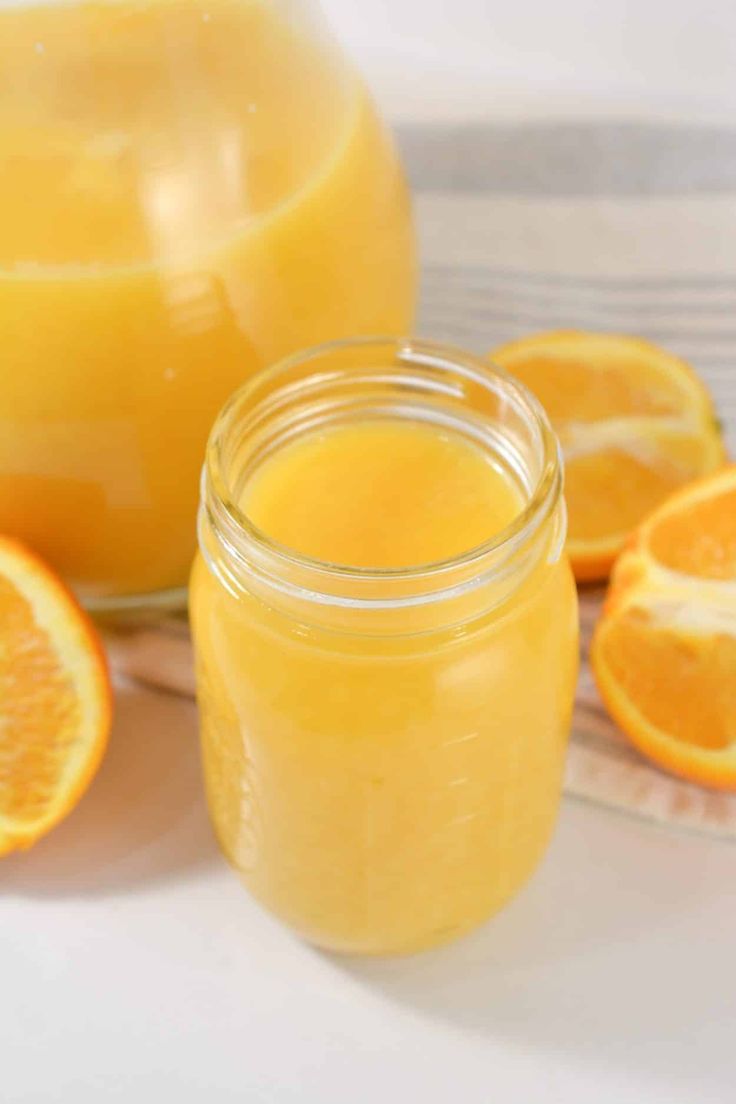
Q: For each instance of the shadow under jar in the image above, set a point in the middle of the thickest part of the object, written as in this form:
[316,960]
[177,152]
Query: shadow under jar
[189,190]
[383,747]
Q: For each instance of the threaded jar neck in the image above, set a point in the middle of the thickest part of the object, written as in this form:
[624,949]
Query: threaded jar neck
[354,380]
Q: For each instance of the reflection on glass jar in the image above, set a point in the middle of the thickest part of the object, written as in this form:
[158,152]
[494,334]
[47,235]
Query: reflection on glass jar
[383,745]
[188,190]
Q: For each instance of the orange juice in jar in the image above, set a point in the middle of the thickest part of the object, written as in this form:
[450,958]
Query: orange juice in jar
[189,189]
[385,627]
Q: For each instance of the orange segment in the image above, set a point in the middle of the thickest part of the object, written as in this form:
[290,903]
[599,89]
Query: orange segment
[696,533]
[55,701]
[592,377]
[635,423]
[664,652]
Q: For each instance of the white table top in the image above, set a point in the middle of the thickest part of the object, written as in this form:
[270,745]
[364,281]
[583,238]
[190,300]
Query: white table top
[135,968]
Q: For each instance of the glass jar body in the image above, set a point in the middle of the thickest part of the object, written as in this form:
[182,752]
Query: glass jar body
[385,794]
[383,748]
[177,211]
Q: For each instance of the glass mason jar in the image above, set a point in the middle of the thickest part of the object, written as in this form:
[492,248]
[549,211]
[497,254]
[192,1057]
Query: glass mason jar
[383,749]
[189,190]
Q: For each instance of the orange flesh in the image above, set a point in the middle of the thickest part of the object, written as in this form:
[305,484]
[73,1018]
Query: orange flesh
[38,704]
[578,387]
[700,540]
[683,685]
[635,424]
[664,652]
[615,488]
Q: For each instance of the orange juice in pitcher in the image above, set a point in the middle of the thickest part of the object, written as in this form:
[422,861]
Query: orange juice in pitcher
[189,189]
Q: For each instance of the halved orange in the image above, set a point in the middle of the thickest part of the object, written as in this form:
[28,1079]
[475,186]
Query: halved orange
[55,698]
[634,422]
[664,651]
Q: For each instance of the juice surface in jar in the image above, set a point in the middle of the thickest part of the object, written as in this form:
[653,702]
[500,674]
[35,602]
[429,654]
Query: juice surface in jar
[188,190]
[385,628]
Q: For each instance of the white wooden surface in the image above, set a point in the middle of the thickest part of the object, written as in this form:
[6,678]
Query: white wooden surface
[135,969]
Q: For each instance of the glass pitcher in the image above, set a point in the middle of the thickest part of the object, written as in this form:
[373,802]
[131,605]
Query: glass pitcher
[189,190]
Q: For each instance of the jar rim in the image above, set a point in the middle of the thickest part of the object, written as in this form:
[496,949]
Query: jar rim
[410,352]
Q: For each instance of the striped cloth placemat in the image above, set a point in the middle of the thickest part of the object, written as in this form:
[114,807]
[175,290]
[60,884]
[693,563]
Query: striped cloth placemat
[627,227]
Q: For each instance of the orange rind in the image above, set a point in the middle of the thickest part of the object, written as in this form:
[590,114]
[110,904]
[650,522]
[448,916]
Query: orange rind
[55,699]
[664,651]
